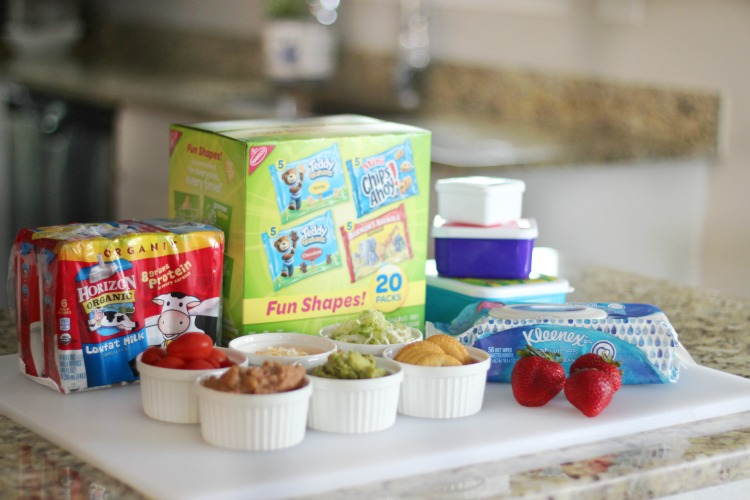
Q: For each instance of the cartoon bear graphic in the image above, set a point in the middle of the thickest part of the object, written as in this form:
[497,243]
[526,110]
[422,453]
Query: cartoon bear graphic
[293,178]
[286,247]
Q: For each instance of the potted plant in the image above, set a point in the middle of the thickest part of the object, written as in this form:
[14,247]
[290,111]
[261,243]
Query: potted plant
[286,9]
[297,47]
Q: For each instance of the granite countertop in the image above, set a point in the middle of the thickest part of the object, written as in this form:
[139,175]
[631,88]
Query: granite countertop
[711,325]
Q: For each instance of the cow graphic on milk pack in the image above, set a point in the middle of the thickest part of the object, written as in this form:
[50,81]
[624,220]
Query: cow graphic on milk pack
[106,322]
[181,313]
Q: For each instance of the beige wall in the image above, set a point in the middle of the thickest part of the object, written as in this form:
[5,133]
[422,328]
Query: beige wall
[691,43]
[698,44]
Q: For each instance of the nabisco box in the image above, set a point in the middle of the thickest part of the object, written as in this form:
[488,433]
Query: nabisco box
[323,217]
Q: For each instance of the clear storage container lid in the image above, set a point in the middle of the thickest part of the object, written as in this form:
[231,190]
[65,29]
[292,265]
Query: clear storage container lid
[486,289]
[521,229]
[479,185]
[548,311]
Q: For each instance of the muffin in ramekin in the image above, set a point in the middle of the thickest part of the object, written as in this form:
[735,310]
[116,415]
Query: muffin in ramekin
[443,391]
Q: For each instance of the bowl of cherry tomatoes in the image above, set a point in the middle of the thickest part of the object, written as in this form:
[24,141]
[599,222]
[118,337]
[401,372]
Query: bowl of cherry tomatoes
[168,375]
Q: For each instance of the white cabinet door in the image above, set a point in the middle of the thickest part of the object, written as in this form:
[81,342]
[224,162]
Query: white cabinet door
[142,161]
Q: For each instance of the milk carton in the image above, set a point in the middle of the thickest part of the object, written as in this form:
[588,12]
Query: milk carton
[323,217]
[90,297]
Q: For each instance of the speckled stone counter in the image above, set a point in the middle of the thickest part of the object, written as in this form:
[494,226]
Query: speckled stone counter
[712,326]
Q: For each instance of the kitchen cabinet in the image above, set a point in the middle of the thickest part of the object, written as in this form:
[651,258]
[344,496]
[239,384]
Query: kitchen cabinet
[56,162]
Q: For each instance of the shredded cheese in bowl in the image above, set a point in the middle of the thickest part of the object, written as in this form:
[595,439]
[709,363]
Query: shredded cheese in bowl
[281,351]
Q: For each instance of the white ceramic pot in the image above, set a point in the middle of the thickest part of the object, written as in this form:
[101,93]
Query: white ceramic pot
[296,50]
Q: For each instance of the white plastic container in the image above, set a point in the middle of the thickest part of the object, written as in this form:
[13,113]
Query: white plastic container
[502,251]
[443,391]
[257,422]
[484,201]
[356,406]
[168,394]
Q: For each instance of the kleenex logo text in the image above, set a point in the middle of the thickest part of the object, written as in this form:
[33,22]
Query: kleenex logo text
[543,335]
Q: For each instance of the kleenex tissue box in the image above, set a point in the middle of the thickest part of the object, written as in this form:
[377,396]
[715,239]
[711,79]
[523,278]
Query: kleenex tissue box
[638,335]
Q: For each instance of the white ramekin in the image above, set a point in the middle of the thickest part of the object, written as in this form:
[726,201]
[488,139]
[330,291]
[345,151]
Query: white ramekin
[168,394]
[443,391]
[318,348]
[374,349]
[356,406]
[258,422]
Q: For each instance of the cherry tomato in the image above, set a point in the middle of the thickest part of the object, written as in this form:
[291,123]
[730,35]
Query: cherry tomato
[191,345]
[212,362]
[198,364]
[153,354]
[170,362]
[218,355]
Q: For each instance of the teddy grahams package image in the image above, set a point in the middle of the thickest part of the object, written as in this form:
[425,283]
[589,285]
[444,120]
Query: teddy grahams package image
[323,217]
[90,297]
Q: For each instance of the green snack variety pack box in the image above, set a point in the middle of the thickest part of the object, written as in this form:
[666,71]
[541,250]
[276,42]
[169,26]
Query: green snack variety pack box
[323,217]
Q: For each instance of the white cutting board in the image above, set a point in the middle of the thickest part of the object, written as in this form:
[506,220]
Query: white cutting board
[109,429]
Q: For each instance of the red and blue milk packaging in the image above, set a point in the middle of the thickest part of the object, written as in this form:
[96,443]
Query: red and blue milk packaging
[90,297]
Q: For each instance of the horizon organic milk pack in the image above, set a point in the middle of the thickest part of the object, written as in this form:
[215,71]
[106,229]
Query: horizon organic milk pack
[323,217]
[90,297]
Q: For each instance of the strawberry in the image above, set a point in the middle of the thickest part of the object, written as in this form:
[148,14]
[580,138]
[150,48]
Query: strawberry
[537,377]
[589,390]
[602,363]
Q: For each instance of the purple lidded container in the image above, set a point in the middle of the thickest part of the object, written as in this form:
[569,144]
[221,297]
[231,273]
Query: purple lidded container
[501,251]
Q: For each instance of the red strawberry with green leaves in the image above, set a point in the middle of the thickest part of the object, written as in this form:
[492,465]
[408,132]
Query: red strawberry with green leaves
[590,390]
[602,363]
[537,377]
